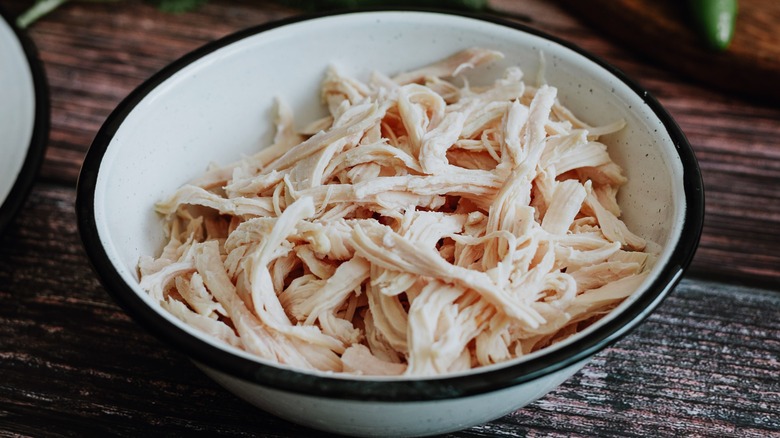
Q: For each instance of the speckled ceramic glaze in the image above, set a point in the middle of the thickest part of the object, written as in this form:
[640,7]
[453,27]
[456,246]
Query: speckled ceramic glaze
[24,118]
[215,105]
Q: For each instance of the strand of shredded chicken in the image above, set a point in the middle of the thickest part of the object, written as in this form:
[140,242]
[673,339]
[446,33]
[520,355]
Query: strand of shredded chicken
[421,228]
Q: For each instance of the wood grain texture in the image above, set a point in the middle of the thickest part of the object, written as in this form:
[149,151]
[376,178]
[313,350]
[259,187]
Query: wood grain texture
[665,31]
[73,364]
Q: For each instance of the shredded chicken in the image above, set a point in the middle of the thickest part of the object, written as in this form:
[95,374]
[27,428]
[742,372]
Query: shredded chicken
[425,226]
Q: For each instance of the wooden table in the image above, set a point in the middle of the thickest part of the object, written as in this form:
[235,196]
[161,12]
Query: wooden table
[706,363]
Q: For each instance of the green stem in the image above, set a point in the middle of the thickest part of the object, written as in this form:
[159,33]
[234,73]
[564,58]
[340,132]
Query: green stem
[715,20]
[38,10]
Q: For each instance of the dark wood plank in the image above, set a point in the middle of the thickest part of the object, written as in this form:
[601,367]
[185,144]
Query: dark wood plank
[666,30]
[73,364]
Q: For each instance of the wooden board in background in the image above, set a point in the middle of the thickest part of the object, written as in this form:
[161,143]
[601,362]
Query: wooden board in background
[663,30]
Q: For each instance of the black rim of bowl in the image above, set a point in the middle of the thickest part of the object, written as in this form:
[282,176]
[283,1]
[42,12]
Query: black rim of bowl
[386,390]
[37,146]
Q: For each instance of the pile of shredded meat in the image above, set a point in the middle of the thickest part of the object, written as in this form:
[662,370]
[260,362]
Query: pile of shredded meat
[425,226]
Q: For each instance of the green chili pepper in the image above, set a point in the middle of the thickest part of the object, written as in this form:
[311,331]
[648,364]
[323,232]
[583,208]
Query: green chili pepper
[715,20]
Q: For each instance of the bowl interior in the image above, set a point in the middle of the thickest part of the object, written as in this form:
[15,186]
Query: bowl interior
[219,105]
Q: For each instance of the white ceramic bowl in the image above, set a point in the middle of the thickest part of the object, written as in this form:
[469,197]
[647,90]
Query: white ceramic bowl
[215,104]
[24,117]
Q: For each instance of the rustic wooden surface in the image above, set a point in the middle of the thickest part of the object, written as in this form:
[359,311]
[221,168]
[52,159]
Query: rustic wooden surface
[663,30]
[707,363]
